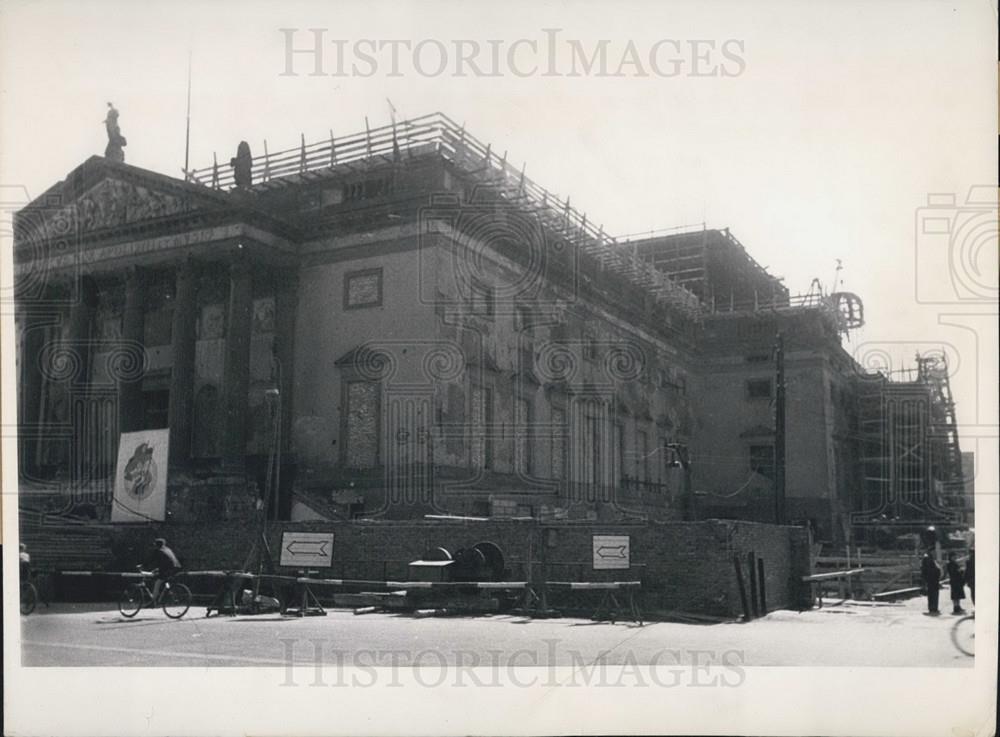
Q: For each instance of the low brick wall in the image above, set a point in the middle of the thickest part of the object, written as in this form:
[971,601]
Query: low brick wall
[683,566]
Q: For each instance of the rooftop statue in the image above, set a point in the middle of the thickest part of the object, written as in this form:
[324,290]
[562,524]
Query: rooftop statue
[116,141]
[242,165]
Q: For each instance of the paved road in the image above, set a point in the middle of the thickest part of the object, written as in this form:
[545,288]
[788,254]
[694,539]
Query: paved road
[845,635]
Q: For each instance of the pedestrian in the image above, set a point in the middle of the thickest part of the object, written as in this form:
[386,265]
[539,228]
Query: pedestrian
[970,574]
[957,582]
[931,574]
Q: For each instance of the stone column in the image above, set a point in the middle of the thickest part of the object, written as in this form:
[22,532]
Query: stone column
[182,371]
[130,405]
[236,375]
[286,298]
[80,343]
[30,386]
[80,330]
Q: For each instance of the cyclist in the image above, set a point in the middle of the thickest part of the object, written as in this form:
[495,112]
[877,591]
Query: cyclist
[164,563]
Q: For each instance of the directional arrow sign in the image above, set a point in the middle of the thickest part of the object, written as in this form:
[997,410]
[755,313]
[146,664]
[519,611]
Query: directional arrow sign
[307,549]
[611,551]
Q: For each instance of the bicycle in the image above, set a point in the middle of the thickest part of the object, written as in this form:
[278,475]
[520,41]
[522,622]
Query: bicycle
[963,635]
[29,597]
[175,598]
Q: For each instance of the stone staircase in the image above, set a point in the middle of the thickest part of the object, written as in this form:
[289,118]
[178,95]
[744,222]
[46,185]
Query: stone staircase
[56,545]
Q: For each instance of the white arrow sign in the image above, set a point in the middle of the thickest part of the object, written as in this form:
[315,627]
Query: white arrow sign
[307,549]
[611,551]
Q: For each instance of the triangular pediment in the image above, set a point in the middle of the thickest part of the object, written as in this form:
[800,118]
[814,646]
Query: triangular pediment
[101,195]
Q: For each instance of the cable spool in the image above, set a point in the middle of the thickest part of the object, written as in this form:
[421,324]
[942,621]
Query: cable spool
[484,561]
[470,565]
[494,560]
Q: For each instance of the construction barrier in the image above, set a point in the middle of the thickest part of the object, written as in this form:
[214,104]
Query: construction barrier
[844,581]
[533,604]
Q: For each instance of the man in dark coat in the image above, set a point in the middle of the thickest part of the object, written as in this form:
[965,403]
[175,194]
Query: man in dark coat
[970,574]
[931,574]
[957,582]
[164,563]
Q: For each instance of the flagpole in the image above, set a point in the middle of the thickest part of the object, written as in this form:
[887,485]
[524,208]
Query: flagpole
[187,129]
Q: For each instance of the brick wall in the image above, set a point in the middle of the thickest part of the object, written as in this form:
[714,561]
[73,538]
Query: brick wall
[684,566]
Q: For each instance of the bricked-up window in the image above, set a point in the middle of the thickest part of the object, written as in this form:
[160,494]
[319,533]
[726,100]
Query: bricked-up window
[558,443]
[642,451]
[666,458]
[156,406]
[481,416]
[758,388]
[762,460]
[362,289]
[362,446]
[524,437]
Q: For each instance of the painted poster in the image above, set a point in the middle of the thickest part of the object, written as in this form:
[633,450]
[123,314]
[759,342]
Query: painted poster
[141,477]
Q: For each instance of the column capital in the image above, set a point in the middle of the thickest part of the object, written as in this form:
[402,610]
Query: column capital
[285,280]
[186,268]
[240,266]
[135,276]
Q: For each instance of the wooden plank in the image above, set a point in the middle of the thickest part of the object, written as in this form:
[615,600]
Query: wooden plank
[833,575]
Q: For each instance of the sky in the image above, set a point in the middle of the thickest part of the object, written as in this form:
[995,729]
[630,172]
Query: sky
[819,138]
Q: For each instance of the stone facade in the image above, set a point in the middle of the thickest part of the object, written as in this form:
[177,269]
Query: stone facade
[402,335]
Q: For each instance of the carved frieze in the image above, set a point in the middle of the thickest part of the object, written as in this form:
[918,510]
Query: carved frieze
[114,202]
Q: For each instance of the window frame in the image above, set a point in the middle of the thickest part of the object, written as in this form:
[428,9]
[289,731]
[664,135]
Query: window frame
[348,276]
[345,433]
[487,414]
[754,468]
[759,381]
[642,451]
[524,422]
[560,432]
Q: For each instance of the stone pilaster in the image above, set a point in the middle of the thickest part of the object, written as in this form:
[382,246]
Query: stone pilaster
[30,384]
[80,343]
[236,371]
[130,405]
[182,369]
[285,308]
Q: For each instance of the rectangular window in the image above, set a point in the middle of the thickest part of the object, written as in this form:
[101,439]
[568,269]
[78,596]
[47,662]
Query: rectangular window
[642,451]
[481,415]
[362,289]
[482,301]
[592,450]
[526,358]
[558,443]
[619,454]
[758,388]
[156,406]
[762,460]
[523,440]
[362,446]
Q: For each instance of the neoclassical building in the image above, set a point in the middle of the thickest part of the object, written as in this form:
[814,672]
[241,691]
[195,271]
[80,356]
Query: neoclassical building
[400,323]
